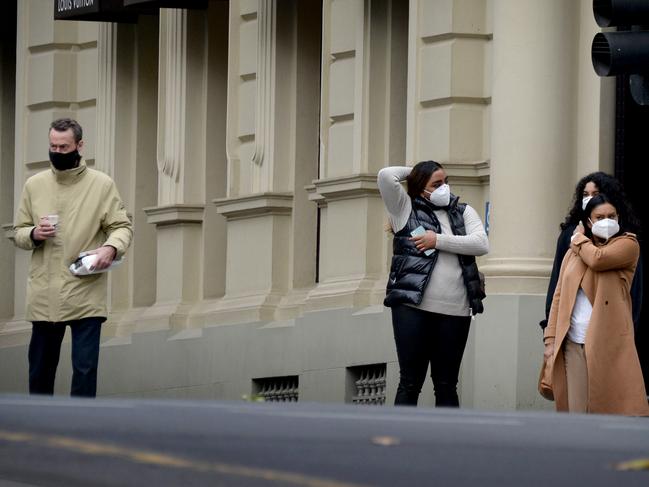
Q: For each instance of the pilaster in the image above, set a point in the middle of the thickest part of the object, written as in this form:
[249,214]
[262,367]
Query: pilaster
[178,271]
[522,238]
[263,156]
[259,229]
[181,146]
[172,98]
[362,129]
[126,136]
[533,149]
[272,154]
[106,97]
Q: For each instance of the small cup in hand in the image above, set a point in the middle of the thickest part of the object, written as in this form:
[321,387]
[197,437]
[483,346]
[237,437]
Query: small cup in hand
[53,219]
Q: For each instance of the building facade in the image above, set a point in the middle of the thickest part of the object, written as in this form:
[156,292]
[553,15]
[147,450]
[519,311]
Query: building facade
[245,137]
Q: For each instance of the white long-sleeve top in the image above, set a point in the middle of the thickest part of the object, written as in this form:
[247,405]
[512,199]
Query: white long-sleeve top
[445,292]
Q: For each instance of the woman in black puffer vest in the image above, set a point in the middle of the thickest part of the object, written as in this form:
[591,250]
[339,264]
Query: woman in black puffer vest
[434,285]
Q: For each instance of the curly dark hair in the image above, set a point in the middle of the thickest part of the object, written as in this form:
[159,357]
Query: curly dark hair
[420,175]
[615,194]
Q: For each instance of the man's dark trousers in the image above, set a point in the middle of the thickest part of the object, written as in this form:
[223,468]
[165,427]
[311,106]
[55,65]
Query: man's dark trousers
[45,348]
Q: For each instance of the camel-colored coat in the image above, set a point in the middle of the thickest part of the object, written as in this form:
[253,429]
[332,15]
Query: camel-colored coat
[605,272]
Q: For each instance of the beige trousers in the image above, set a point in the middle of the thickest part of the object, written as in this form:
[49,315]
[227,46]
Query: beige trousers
[574,357]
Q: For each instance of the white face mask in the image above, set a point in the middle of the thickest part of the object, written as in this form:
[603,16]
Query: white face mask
[585,201]
[441,196]
[605,228]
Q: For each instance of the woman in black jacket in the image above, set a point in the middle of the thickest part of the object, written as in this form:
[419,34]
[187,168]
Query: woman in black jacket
[587,187]
[434,285]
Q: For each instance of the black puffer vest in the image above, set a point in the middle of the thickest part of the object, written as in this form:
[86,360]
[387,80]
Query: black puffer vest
[411,269]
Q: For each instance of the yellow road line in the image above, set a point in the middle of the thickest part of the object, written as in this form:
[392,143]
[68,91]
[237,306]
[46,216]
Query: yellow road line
[163,460]
[639,464]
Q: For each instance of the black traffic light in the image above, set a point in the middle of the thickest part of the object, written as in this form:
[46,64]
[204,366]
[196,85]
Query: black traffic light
[625,52]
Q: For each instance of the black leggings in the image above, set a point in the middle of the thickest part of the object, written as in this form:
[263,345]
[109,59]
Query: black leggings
[422,338]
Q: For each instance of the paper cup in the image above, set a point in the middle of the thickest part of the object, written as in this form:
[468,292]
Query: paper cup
[53,219]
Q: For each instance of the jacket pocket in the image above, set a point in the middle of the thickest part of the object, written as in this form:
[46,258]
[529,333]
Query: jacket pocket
[396,267]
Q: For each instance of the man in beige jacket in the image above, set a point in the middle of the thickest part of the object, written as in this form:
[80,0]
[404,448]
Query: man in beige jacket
[63,211]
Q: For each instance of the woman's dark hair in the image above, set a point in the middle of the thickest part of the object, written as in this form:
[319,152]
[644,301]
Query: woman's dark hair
[620,206]
[612,188]
[420,175]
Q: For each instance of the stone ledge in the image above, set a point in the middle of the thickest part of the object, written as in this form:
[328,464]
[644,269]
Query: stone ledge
[255,205]
[343,188]
[174,214]
[469,173]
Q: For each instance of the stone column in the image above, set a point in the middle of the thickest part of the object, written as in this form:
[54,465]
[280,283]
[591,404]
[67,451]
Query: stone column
[271,146]
[362,129]
[126,135]
[106,97]
[533,139]
[533,148]
[181,145]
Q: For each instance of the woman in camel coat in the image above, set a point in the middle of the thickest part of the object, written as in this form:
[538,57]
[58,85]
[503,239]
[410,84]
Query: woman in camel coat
[589,340]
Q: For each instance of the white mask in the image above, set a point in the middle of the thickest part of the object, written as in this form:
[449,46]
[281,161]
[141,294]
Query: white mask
[441,196]
[585,201]
[605,228]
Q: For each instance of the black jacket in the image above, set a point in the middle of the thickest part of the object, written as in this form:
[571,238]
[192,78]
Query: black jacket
[563,245]
[411,269]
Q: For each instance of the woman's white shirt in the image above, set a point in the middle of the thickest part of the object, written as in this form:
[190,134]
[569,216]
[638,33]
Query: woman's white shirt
[580,318]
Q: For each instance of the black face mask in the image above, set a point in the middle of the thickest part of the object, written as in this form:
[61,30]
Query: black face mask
[65,161]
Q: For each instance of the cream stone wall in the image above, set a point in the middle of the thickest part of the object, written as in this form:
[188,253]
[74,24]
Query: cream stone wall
[245,140]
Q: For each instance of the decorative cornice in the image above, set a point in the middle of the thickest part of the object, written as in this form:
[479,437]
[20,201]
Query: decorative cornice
[469,173]
[314,196]
[346,187]
[255,205]
[174,214]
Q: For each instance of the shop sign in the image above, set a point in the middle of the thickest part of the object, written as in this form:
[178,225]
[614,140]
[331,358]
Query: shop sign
[96,10]
[167,3]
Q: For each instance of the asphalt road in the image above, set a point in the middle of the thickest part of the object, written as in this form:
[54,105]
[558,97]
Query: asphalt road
[74,442]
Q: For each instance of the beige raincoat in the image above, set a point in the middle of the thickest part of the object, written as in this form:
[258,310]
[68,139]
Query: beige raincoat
[91,214]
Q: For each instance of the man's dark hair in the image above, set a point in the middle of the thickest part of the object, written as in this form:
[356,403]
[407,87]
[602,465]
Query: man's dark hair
[63,124]
[420,175]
